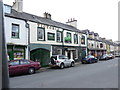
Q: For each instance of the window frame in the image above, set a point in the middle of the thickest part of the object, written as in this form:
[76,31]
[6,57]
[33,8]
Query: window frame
[18,31]
[70,37]
[76,37]
[82,39]
[43,35]
[48,37]
[61,39]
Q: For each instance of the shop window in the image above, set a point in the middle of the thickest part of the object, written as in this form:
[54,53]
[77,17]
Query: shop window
[40,34]
[75,39]
[51,36]
[68,38]
[59,51]
[15,31]
[19,53]
[59,36]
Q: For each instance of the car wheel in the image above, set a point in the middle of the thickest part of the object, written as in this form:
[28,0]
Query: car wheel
[72,64]
[90,61]
[83,62]
[31,70]
[61,65]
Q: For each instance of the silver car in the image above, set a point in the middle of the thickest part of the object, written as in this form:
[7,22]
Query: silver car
[61,61]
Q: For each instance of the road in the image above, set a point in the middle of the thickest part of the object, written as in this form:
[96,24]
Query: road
[103,74]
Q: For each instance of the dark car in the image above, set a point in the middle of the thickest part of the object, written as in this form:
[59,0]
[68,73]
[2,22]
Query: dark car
[89,59]
[22,66]
[104,57]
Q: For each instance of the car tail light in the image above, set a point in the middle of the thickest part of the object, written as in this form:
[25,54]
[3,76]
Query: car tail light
[38,62]
[57,61]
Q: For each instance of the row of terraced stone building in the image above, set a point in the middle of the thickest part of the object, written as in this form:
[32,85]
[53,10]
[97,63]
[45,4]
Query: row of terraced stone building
[37,38]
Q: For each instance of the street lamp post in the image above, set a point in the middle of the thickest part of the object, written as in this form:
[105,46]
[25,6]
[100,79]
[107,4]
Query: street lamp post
[5,76]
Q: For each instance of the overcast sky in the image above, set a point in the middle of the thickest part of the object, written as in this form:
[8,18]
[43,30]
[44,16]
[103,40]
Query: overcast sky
[100,16]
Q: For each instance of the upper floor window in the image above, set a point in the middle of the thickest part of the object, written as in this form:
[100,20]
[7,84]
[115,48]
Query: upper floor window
[51,36]
[101,45]
[75,39]
[15,31]
[40,33]
[68,38]
[59,36]
[83,40]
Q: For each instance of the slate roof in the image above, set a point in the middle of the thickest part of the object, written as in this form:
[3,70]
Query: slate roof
[91,33]
[96,34]
[105,41]
[38,19]
[85,31]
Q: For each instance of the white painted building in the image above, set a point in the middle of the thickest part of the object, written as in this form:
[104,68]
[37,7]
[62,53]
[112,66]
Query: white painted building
[16,35]
[44,36]
[59,43]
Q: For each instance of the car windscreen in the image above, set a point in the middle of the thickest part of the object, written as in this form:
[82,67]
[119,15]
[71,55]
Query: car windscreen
[89,56]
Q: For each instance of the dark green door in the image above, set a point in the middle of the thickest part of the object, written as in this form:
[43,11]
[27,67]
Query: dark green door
[82,53]
[41,55]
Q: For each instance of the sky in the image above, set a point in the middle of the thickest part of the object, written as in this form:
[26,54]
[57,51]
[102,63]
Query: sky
[100,16]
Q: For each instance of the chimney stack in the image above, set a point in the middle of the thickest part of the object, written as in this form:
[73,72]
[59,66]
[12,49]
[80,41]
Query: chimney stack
[18,5]
[47,15]
[72,22]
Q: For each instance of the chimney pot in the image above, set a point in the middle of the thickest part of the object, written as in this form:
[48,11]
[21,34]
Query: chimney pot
[18,5]
[72,22]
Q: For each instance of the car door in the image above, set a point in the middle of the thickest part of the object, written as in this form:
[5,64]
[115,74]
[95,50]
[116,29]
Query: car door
[14,67]
[24,66]
[67,61]
[63,59]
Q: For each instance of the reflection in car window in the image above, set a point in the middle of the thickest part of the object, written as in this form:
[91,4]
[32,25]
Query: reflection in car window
[14,63]
[24,62]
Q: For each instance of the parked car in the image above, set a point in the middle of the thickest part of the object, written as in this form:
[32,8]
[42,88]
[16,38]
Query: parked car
[111,56]
[61,61]
[104,57]
[117,55]
[22,66]
[89,59]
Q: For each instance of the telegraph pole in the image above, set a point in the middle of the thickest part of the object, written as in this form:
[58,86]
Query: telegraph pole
[3,58]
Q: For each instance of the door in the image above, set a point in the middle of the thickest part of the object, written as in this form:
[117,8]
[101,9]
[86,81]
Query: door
[67,61]
[14,67]
[69,55]
[24,66]
[41,55]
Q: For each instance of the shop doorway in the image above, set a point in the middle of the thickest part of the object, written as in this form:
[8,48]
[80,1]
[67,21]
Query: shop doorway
[69,55]
[41,55]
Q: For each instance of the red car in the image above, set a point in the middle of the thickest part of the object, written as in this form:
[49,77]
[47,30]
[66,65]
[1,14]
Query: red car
[21,66]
